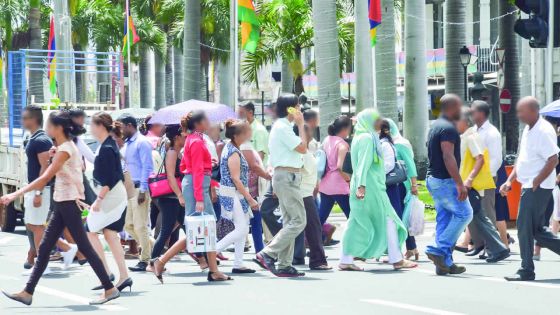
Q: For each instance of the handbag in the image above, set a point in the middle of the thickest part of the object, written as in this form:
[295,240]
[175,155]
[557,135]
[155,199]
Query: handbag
[158,184]
[484,179]
[347,165]
[321,158]
[216,174]
[223,228]
[398,174]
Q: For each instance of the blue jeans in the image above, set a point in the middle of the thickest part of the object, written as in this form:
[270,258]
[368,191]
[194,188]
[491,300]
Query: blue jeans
[452,217]
[188,194]
[257,231]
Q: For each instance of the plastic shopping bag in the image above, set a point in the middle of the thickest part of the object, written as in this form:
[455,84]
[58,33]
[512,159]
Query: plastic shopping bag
[201,233]
[416,219]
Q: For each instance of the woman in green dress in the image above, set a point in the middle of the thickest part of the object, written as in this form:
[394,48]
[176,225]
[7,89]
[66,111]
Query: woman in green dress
[410,187]
[373,226]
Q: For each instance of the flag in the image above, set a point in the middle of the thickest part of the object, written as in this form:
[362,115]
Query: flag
[130,35]
[51,59]
[374,19]
[250,24]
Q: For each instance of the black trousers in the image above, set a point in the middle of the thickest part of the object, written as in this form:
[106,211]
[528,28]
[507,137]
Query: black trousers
[66,214]
[269,205]
[314,235]
[484,227]
[171,214]
[530,218]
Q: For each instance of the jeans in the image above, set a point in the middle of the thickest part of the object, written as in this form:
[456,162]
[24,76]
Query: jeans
[452,217]
[327,203]
[172,216]
[257,231]
[530,218]
[66,214]
[287,187]
[188,194]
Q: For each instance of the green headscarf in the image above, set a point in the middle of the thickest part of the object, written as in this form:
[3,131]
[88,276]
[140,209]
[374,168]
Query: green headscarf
[396,134]
[365,124]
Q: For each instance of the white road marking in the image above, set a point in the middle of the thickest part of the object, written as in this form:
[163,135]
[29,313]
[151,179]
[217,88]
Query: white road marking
[496,279]
[410,307]
[6,240]
[76,298]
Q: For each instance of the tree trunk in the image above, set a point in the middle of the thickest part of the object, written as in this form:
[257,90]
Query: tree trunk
[415,121]
[385,65]
[35,77]
[327,60]
[287,78]
[178,71]
[364,55]
[160,87]
[454,41]
[102,82]
[227,95]
[191,51]
[169,79]
[146,77]
[508,41]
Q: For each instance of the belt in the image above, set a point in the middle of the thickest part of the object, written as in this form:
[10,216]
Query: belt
[288,169]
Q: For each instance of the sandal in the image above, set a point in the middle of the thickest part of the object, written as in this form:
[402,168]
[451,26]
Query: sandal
[321,268]
[349,267]
[159,275]
[405,264]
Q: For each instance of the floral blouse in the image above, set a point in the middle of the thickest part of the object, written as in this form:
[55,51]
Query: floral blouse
[227,187]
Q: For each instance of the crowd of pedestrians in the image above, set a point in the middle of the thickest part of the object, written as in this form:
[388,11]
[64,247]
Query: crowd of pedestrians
[280,187]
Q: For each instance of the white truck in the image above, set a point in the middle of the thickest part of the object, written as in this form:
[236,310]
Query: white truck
[13,167]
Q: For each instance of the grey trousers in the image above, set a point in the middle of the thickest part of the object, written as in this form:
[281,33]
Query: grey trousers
[485,230]
[530,218]
[488,205]
[286,186]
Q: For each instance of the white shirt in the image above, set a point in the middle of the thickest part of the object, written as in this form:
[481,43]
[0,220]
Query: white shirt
[282,143]
[308,175]
[537,145]
[492,141]
[84,150]
[388,155]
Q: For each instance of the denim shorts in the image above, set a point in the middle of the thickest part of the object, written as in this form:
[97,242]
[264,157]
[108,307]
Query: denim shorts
[188,194]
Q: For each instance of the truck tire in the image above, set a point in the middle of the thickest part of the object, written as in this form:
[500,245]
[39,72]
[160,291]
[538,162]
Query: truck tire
[8,218]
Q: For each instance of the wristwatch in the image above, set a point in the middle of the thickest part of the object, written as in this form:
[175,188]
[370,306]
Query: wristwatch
[38,192]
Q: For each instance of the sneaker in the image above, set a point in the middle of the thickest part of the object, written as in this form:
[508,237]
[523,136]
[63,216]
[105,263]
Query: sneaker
[289,272]
[68,256]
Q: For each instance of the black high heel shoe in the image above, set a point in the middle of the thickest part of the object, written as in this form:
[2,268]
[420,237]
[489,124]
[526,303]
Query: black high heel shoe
[99,287]
[158,276]
[126,284]
[211,279]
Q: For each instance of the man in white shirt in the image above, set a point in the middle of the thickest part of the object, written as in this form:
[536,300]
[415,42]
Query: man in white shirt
[535,170]
[491,141]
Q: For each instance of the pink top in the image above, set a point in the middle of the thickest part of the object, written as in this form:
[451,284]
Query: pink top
[333,183]
[153,138]
[68,184]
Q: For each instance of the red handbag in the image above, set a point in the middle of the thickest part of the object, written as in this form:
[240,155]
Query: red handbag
[158,184]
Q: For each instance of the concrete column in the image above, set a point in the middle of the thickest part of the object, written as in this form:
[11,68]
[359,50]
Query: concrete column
[469,27]
[484,24]
[429,26]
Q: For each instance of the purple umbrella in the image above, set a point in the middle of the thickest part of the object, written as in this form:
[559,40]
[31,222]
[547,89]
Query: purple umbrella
[171,115]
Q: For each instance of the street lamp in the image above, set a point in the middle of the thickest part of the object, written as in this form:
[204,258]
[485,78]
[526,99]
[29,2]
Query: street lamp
[465,56]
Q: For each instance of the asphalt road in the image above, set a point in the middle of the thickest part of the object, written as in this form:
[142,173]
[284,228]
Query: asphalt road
[378,290]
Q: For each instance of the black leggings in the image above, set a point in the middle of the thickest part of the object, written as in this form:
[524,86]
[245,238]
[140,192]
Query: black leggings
[171,213]
[66,214]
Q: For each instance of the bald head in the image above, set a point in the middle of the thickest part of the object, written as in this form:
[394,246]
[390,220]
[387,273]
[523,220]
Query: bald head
[451,106]
[528,110]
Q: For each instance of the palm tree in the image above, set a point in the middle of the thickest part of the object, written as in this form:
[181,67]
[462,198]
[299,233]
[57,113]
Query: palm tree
[327,60]
[35,77]
[364,55]
[191,50]
[415,121]
[385,67]
[454,40]
[508,41]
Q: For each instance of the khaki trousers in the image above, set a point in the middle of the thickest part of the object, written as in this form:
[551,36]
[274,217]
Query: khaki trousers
[136,224]
[286,186]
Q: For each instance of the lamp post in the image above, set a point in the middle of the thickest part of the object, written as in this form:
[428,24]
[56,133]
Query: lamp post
[465,56]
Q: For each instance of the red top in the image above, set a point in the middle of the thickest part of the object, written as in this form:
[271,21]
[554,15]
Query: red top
[197,162]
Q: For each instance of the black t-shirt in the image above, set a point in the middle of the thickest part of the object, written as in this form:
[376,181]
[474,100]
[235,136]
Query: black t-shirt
[38,143]
[442,130]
